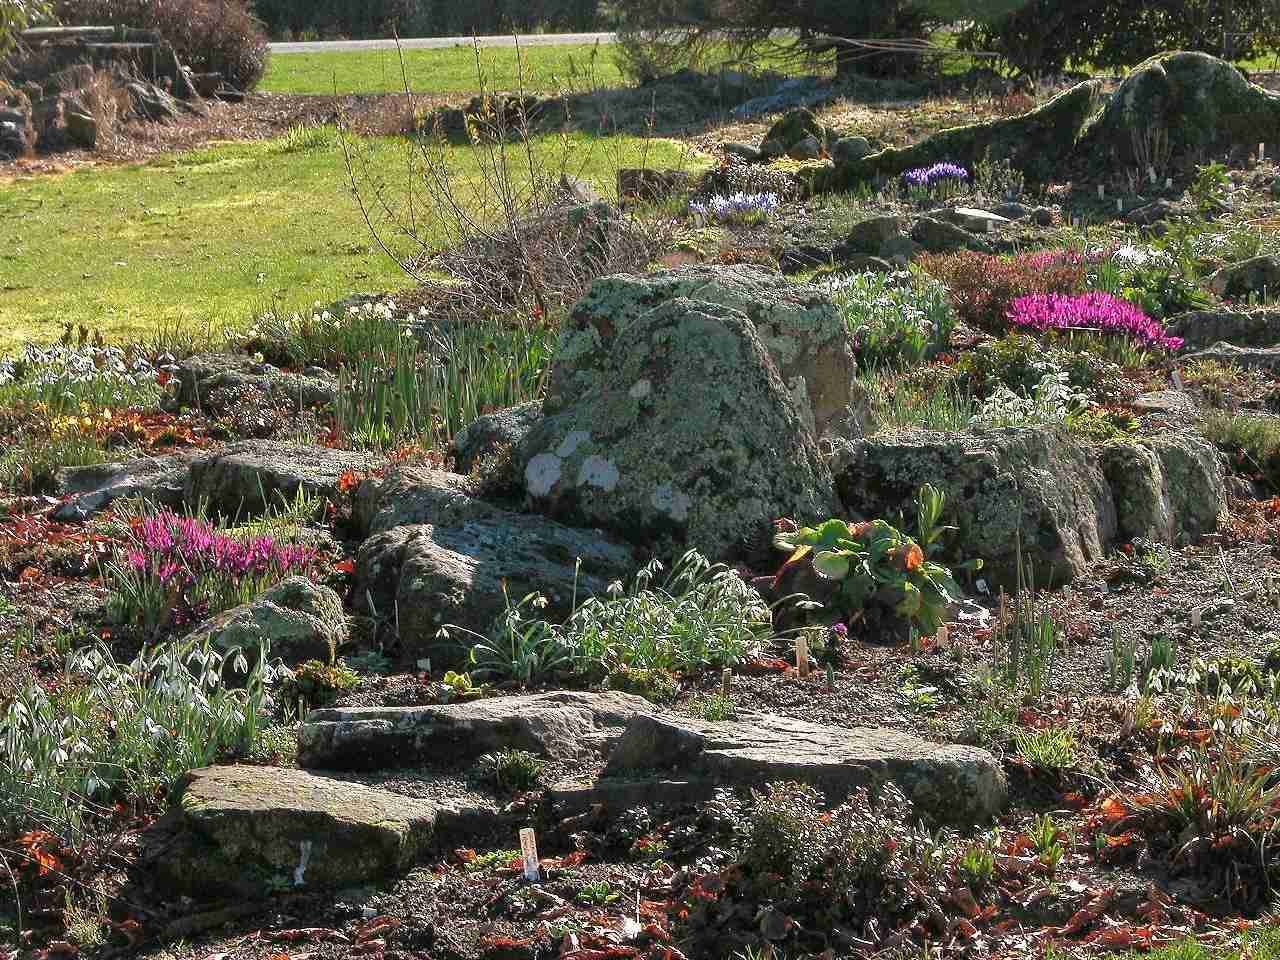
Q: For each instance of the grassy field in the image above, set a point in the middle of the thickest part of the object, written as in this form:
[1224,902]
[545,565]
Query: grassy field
[209,238]
[546,69]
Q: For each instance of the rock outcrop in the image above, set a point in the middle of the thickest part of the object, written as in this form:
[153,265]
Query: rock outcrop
[297,619]
[674,426]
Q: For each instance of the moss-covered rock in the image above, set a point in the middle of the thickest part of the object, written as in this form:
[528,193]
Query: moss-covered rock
[1032,489]
[1258,276]
[297,619]
[1036,142]
[1169,488]
[806,337]
[241,829]
[1199,101]
[673,427]
[1203,328]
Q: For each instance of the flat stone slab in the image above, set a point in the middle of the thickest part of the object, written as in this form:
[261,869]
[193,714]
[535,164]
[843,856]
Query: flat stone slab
[561,725]
[949,783]
[244,479]
[92,489]
[242,828]
[1264,358]
[979,221]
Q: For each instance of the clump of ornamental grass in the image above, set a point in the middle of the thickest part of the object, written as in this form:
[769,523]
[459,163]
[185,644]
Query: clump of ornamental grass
[747,209]
[1092,314]
[983,286]
[176,570]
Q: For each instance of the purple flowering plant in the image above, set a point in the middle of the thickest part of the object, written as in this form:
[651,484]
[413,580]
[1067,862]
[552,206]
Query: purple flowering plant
[1091,313]
[940,179]
[177,570]
[747,208]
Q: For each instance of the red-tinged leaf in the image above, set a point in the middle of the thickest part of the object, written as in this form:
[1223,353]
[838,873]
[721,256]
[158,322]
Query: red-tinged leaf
[798,555]
[60,948]
[962,897]
[577,858]
[368,948]
[966,929]
[466,855]
[655,908]
[347,566]
[759,665]
[1121,938]
[376,928]
[1113,809]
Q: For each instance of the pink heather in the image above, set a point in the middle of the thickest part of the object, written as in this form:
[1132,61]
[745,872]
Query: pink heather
[1095,312]
[183,547]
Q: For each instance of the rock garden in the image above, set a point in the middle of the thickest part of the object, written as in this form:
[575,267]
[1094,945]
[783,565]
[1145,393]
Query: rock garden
[856,547]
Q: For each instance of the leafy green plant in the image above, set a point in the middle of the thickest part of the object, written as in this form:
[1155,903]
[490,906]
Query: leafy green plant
[977,864]
[874,561]
[519,649]
[598,894]
[460,686]
[509,770]
[717,707]
[317,684]
[1054,749]
[896,319]
[654,684]
[1025,640]
[1046,837]
[1209,188]
[1252,443]
[370,662]
[926,397]
[119,732]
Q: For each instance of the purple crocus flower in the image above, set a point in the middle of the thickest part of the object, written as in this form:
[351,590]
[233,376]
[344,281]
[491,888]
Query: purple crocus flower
[928,176]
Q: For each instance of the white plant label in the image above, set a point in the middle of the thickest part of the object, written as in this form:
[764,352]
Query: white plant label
[529,847]
[943,637]
[1262,152]
[1151,172]
[802,656]
[1168,183]
[1102,192]
[1119,205]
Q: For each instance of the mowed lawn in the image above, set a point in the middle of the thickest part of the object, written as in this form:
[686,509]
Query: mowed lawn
[537,69]
[213,237]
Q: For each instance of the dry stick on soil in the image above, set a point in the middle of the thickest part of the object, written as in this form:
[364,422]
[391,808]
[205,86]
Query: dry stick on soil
[516,241]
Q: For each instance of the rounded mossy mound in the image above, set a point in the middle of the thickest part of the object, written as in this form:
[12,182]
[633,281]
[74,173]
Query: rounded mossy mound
[1195,100]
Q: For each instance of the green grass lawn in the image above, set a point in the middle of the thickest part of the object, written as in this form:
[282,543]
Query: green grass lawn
[546,69]
[212,237]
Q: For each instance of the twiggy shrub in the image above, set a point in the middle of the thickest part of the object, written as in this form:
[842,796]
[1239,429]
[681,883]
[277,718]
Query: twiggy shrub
[983,287]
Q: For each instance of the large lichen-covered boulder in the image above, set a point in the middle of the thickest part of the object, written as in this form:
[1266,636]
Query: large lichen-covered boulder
[1036,142]
[805,335]
[675,429]
[244,830]
[489,439]
[1260,358]
[1198,100]
[422,577]
[407,493]
[1169,488]
[297,620]
[1029,490]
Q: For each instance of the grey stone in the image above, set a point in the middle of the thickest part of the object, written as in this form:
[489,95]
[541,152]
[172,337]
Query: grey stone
[807,148]
[939,236]
[850,148]
[492,437]
[423,577]
[579,190]
[795,126]
[870,236]
[159,480]
[771,150]
[951,784]
[82,128]
[245,479]
[1203,328]
[150,102]
[1167,488]
[214,381]
[1015,211]
[676,429]
[1258,275]
[1033,487]
[802,257]
[407,494]
[900,250]
[242,828]
[563,726]
[1166,403]
[296,619]
[1042,217]
[1262,358]
[746,151]
[806,337]
[977,221]
[1154,212]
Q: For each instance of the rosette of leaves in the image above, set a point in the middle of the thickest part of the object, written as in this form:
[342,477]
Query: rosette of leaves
[875,563]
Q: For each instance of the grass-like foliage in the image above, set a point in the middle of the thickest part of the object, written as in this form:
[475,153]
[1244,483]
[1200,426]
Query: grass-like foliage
[427,387]
[1252,442]
[119,732]
[895,319]
[926,397]
[701,615]
[509,770]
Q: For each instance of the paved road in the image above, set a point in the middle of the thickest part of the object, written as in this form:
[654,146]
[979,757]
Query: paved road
[440,43]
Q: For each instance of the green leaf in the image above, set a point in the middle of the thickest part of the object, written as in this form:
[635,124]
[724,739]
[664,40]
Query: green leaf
[834,565]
